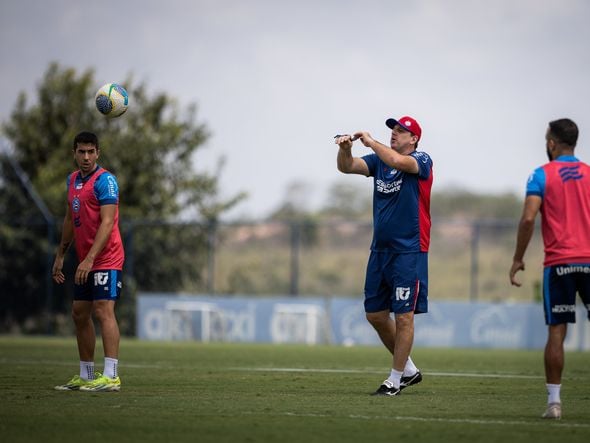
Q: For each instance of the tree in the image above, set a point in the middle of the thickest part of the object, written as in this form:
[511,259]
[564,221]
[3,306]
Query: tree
[461,203]
[350,201]
[150,149]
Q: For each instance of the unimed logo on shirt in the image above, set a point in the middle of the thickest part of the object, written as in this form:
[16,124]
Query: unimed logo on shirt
[111,186]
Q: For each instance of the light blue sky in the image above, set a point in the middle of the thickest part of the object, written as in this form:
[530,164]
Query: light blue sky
[275,80]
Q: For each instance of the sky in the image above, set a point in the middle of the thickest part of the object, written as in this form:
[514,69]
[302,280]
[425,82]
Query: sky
[274,81]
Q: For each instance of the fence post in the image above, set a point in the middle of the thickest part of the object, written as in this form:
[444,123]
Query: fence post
[474,272]
[295,246]
[211,234]
[129,252]
[48,276]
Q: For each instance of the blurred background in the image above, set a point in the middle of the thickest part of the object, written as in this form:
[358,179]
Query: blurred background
[225,158]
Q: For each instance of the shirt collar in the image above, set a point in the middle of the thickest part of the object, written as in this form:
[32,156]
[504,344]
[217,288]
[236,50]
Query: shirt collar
[567,158]
[85,179]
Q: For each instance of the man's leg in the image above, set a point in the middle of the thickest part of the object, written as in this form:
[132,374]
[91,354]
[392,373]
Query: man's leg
[385,327]
[404,339]
[554,361]
[554,355]
[104,311]
[85,336]
[85,333]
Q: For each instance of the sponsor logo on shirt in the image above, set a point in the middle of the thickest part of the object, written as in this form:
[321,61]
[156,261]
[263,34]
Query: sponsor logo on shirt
[402,293]
[388,188]
[570,173]
[423,157]
[111,186]
[101,278]
[559,309]
[564,270]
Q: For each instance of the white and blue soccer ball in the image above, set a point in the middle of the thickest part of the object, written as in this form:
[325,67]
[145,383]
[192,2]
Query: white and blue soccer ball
[112,100]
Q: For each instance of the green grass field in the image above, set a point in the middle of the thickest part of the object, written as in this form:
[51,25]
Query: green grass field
[186,391]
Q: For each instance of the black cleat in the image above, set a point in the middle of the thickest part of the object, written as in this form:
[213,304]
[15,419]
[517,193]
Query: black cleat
[410,380]
[387,389]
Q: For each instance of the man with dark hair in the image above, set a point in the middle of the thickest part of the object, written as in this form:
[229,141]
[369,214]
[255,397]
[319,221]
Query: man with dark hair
[397,272]
[91,222]
[560,190]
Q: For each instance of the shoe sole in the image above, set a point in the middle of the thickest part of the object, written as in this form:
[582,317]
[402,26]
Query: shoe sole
[384,394]
[103,389]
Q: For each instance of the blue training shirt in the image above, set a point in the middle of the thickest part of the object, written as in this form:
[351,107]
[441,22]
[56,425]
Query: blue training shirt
[401,205]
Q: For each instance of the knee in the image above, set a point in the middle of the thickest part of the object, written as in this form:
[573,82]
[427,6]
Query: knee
[102,313]
[80,317]
[378,319]
[405,321]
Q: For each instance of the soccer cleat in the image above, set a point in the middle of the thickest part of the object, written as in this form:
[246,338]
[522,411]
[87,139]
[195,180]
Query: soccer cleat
[553,411]
[387,389]
[102,384]
[410,380]
[74,384]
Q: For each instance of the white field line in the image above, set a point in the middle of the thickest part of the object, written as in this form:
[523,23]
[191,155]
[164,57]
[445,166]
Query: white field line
[262,369]
[535,422]
[24,361]
[374,371]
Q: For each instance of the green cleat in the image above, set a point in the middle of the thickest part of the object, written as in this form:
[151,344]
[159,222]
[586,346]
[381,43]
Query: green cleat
[74,384]
[102,384]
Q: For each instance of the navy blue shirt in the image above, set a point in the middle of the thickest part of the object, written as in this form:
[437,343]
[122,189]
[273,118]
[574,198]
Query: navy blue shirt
[401,205]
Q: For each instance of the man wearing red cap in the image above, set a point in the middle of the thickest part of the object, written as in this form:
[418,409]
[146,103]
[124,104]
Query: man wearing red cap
[397,271]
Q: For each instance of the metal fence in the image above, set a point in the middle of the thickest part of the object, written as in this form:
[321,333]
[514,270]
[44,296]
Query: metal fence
[468,261]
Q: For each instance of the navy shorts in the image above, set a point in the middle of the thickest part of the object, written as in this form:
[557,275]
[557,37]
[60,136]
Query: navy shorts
[397,282]
[560,284]
[100,285]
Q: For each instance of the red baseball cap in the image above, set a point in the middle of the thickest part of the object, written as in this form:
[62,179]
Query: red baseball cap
[407,123]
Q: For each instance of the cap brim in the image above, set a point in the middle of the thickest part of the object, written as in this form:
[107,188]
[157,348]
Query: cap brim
[391,122]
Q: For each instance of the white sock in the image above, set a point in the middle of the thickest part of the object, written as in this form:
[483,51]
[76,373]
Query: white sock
[87,370]
[110,367]
[410,368]
[553,393]
[395,378]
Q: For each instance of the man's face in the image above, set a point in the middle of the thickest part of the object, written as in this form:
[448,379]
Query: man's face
[402,139]
[86,156]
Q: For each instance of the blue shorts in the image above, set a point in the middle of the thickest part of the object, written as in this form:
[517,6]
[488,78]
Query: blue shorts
[100,285]
[560,284]
[397,282]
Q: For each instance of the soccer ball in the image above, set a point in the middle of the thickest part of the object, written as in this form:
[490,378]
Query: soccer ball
[112,100]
